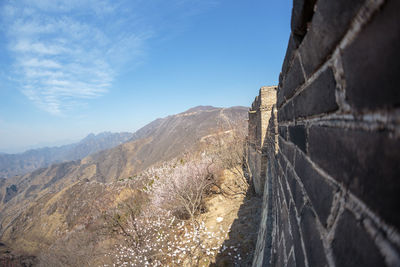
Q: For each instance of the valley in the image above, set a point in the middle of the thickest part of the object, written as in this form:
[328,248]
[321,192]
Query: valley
[47,211]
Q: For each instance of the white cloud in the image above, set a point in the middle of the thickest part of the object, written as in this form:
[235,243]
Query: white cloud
[27,46]
[68,51]
[39,63]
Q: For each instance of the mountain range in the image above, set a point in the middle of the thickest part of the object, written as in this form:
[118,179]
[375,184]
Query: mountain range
[41,207]
[19,164]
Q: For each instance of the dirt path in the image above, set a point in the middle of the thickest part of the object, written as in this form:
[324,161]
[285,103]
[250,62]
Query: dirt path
[231,224]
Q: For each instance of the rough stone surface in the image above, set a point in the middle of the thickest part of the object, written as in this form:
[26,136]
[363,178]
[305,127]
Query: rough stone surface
[297,192]
[283,132]
[328,26]
[302,13]
[259,115]
[318,189]
[366,162]
[312,239]
[286,112]
[282,162]
[286,190]
[291,261]
[288,150]
[298,250]
[370,84]
[293,44]
[298,135]
[333,141]
[293,79]
[318,97]
[352,246]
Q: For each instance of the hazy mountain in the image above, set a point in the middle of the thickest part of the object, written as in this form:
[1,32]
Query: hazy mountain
[39,207]
[18,164]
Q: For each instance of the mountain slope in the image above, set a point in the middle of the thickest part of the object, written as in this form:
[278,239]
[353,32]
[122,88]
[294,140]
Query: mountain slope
[28,203]
[19,164]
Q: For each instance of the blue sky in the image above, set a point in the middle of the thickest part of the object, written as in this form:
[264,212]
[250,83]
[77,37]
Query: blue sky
[73,67]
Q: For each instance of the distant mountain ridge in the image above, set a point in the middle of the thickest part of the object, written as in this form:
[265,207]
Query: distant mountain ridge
[58,196]
[22,163]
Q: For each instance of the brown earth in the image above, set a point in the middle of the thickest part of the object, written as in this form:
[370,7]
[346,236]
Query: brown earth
[236,234]
[48,204]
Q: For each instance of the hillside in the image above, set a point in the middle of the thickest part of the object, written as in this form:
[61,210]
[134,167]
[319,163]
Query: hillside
[19,164]
[38,208]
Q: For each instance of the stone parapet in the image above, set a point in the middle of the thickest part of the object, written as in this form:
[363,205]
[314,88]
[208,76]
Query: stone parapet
[259,115]
[326,156]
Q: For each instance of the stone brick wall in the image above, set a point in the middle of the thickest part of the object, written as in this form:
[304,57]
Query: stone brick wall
[259,116]
[329,161]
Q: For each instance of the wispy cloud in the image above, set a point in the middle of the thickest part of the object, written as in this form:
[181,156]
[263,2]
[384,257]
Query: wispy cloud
[68,51]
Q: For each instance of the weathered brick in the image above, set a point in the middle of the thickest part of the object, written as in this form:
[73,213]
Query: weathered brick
[329,24]
[312,239]
[281,195]
[298,135]
[318,189]
[318,97]
[280,256]
[291,262]
[285,113]
[274,257]
[293,79]
[287,150]
[279,96]
[282,161]
[298,250]
[285,190]
[371,62]
[276,211]
[281,171]
[297,192]
[283,132]
[293,44]
[302,13]
[281,198]
[285,226]
[352,246]
[366,162]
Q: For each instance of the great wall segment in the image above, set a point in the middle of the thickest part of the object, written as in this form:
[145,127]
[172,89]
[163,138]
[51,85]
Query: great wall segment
[324,145]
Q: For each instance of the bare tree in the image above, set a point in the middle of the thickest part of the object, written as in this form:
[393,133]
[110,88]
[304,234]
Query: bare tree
[124,218]
[227,148]
[182,186]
